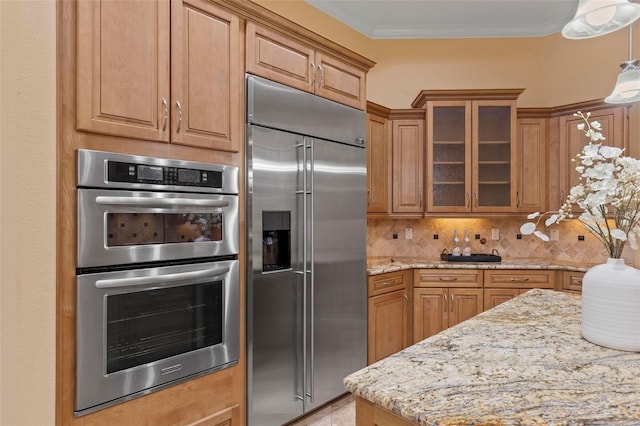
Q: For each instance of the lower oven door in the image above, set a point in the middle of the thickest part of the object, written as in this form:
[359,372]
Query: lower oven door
[141,329]
[117,227]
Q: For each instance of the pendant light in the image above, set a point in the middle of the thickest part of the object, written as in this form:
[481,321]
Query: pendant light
[627,89]
[598,17]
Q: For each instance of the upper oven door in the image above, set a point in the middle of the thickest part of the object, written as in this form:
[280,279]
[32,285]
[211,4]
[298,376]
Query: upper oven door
[125,227]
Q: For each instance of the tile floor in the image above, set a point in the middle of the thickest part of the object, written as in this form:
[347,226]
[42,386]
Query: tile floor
[341,412]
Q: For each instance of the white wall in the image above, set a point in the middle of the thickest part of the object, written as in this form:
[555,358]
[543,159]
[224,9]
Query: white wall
[27,212]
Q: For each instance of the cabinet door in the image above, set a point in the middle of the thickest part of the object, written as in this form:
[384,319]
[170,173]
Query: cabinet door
[340,81]
[572,281]
[449,156]
[388,317]
[206,78]
[532,154]
[227,417]
[495,296]
[377,164]
[123,68]
[494,153]
[429,312]
[464,303]
[279,58]
[408,153]
[572,140]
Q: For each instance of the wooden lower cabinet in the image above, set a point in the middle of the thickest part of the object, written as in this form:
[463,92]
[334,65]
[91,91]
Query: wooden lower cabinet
[389,315]
[572,281]
[443,298]
[502,285]
[227,417]
[368,414]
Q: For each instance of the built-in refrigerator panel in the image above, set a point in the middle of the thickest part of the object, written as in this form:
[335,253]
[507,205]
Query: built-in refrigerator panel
[306,182]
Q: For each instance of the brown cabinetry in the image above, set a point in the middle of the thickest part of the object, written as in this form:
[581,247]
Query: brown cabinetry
[532,161]
[281,58]
[502,285]
[166,71]
[471,150]
[389,314]
[572,281]
[378,158]
[568,141]
[443,298]
[408,162]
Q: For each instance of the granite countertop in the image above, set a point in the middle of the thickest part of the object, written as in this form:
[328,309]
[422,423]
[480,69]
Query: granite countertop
[381,265]
[522,362]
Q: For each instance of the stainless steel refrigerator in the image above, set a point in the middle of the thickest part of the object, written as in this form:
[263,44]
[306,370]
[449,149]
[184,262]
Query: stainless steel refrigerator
[306,247]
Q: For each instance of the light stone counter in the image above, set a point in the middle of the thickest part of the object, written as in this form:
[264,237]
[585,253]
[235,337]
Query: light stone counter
[381,265]
[522,362]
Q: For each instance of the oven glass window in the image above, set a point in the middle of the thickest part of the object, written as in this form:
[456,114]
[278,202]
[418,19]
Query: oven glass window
[147,326]
[132,229]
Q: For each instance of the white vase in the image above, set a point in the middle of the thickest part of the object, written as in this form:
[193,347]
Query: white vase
[611,305]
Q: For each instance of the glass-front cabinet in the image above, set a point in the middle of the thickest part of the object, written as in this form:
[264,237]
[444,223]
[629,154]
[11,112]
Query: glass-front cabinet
[471,156]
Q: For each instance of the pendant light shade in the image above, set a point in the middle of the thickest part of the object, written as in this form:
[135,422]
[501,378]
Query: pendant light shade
[627,89]
[598,17]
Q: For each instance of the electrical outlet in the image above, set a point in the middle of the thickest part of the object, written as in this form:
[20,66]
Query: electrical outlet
[554,235]
[408,233]
[495,234]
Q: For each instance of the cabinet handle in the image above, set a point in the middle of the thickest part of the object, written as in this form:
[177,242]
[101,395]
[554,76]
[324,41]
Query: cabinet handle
[387,283]
[166,114]
[451,299]
[468,199]
[475,194]
[517,199]
[561,198]
[446,302]
[519,280]
[179,105]
[421,199]
[406,296]
[313,74]
[448,279]
[321,75]
[368,197]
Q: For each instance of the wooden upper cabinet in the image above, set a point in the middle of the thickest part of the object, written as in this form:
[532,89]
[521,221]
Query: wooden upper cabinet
[378,159]
[571,141]
[408,165]
[278,57]
[126,87]
[472,150]
[532,155]
[123,68]
[206,76]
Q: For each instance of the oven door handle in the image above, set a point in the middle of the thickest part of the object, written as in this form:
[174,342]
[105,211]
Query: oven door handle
[158,202]
[160,279]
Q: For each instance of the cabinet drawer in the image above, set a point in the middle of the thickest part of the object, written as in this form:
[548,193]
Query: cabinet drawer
[572,281]
[447,278]
[385,283]
[518,279]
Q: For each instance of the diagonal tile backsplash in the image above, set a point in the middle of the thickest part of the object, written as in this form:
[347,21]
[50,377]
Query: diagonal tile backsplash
[380,240]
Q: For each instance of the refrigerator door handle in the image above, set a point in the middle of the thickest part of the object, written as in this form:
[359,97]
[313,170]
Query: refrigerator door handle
[304,191]
[312,263]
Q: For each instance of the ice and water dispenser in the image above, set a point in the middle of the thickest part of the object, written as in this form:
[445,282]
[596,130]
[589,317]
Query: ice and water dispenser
[276,241]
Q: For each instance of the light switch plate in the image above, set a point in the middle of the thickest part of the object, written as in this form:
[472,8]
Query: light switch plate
[408,233]
[554,235]
[495,234]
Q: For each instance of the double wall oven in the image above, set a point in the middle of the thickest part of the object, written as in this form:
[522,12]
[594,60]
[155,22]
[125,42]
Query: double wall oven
[157,274]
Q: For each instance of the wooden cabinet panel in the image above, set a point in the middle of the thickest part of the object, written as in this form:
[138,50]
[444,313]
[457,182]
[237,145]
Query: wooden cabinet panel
[526,279]
[614,124]
[272,55]
[385,283]
[572,281]
[227,417]
[340,81]
[464,304]
[430,313]
[206,76]
[126,86]
[387,328]
[277,57]
[123,68]
[495,296]
[378,154]
[532,178]
[448,278]
[408,154]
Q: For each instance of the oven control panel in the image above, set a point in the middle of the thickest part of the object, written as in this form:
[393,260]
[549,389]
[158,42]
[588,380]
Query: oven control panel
[162,175]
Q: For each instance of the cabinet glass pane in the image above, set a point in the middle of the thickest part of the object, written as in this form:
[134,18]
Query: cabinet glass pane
[494,194]
[494,173]
[494,123]
[494,156]
[449,195]
[448,185]
[491,151]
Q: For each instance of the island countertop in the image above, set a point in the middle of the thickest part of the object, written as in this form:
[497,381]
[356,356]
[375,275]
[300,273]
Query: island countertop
[522,362]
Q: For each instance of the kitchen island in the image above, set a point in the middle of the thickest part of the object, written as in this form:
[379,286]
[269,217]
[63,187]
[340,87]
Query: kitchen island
[522,362]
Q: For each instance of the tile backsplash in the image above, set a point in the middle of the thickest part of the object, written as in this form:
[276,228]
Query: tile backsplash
[380,241]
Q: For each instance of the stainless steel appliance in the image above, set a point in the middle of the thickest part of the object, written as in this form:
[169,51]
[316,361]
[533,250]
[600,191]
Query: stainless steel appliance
[157,276]
[306,257]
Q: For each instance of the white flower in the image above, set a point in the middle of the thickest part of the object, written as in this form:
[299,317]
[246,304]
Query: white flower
[528,228]
[610,151]
[540,235]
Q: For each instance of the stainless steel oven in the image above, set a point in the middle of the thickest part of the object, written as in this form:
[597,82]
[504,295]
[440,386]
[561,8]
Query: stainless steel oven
[157,275]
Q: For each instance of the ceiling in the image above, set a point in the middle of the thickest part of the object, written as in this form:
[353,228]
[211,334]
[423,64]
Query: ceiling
[402,19]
